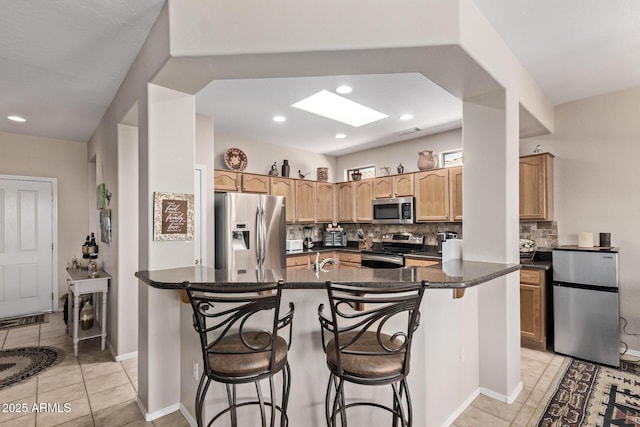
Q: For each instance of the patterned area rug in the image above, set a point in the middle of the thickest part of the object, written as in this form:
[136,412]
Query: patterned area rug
[17,364]
[23,321]
[588,394]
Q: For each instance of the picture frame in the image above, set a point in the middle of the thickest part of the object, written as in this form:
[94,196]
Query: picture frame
[101,193]
[105,226]
[172,216]
[451,158]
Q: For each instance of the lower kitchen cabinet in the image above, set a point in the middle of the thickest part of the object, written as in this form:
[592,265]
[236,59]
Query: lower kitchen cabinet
[298,262]
[418,262]
[349,259]
[534,325]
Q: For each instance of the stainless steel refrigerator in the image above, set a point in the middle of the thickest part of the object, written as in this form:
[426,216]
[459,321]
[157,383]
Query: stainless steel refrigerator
[585,304]
[250,231]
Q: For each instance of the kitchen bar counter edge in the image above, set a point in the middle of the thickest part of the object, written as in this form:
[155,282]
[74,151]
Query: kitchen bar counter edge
[455,274]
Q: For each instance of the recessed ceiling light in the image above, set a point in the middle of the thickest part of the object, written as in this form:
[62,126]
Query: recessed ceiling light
[344,89]
[406,117]
[279,119]
[336,107]
[17,119]
[341,135]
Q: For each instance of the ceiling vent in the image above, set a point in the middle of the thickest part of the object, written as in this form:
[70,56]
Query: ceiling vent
[408,131]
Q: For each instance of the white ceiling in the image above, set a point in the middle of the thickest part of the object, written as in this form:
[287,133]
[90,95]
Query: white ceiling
[62,61]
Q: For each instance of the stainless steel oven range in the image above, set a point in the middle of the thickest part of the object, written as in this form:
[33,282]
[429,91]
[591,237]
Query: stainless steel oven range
[390,250]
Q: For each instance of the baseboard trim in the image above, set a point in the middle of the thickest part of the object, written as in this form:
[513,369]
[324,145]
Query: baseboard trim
[501,397]
[460,409]
[126,356]
[185,413]
[630,352]
[150,416]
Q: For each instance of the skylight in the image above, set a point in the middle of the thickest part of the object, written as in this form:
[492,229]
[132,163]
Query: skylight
[336,107]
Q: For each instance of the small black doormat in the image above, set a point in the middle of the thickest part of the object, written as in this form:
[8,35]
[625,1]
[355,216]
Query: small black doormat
[18,364]
[23,321]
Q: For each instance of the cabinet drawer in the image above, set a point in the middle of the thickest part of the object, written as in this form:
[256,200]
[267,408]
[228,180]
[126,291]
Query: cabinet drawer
[409,262]
[298,260]
[325,255]
[349,257]
[532,277]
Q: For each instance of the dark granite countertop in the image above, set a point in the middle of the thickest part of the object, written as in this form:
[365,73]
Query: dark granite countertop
[456,274]
[535,265]
[325,249]
[424,255]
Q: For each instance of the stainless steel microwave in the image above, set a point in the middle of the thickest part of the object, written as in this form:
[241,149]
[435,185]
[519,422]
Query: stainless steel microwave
[400,210]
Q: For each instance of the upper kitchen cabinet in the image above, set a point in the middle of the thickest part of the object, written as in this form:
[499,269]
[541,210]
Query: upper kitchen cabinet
[226,181]
[324,201]
[455,188]
[383,187]
[364,196]
[285,187]
[536,187]
[432,195]
[403,185]
[345,198]
[393,186]
[252,183]
[305,201]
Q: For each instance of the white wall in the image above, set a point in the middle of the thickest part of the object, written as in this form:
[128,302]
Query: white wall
[205,155]
[405,152]
[260,157]
[596,144]
[53,158]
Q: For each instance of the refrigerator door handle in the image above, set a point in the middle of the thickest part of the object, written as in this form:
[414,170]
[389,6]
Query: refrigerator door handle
[258,237]
[263,249]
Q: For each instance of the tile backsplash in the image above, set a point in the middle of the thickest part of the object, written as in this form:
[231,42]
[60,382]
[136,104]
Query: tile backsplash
[543,233]
[294,231]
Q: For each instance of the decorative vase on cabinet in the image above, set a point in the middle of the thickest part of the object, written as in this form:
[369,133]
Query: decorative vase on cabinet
[426,160]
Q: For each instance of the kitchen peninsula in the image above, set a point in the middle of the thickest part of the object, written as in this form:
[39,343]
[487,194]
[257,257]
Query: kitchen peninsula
[445,354]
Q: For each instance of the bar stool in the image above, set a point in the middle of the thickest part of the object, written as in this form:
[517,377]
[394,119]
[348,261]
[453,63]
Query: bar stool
[368,342]
[235,352]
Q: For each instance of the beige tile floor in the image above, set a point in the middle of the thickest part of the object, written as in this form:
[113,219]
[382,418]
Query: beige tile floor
[98,391]
[101,392]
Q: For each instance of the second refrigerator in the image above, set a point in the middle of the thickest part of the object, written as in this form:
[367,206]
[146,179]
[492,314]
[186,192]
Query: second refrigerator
[250,231]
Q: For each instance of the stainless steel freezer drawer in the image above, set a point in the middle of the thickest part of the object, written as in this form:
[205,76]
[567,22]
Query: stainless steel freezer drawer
[586,267]
[586,323]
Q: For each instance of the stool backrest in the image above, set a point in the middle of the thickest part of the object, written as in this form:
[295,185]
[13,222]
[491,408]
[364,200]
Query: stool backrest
[392,314]
[226,311]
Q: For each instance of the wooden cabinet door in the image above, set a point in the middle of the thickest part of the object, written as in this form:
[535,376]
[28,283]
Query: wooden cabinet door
[432,195]
[346,201]
[252,183]
[455,186]
[530,307]
[403,185]
[536,187]
[305,201]
[298,262]
[409,262]
[364,196]
[533,309]
[383,187]
[324,201]
[226,181]
[284,187]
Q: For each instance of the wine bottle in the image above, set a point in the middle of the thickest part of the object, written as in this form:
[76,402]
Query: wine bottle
[85,248]
[93,248]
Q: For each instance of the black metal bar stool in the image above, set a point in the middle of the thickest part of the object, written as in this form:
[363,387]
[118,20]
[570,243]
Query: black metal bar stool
[368,342]
[235,351]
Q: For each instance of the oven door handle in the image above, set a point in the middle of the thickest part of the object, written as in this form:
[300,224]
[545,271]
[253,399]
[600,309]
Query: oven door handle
[383,258]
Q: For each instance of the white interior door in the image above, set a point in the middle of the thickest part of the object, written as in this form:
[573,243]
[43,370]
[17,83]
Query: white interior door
[26,247]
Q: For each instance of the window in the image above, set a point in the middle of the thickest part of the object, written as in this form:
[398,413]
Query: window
[365,172]
[451,158]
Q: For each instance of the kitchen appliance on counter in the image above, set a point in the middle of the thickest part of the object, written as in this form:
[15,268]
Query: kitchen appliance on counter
[390,250]
[334,238]
[585,303]
[250,231]
[443,236]
[399,210]
[294,246]
[306,232]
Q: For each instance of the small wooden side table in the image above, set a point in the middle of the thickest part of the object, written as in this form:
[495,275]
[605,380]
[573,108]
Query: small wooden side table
[81,284]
